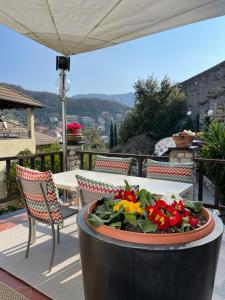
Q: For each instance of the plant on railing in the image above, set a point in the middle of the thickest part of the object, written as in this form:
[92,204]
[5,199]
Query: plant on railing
[214,148]
[74,133]
[145,212]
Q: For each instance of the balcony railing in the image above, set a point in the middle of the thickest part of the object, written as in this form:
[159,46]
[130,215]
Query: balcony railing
[54,161]
[87,157]
[43,161]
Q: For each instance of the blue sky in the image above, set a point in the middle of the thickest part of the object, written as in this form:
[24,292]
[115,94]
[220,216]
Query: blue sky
[179,53]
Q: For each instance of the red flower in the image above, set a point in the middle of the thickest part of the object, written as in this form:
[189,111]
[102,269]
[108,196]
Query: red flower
[161,203]
[130,196]
[174,220]
[119,195]
[157,217]
[193,221]
[73,128]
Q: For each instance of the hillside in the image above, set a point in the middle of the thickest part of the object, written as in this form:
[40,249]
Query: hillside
[80,106]
[125,99]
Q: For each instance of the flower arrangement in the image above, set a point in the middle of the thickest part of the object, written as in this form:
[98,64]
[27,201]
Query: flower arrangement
[185,133]
[145,212]
[74,128]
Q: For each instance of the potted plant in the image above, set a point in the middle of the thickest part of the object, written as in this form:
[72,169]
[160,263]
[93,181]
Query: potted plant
[74,133]
[148,247]
[184,138]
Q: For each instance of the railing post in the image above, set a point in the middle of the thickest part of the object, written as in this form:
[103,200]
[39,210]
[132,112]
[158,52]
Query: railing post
[140,162]
[21,162]
[200,180]
[90,162]
[61,161]
[52,162]
[32,163]
[8,178]
[81,161]
[42,163]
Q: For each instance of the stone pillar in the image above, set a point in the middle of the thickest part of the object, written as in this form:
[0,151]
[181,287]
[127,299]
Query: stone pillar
[73,162]
[182,154]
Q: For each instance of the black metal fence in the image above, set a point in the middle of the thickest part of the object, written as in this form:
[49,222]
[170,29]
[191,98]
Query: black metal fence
[54,161]
[87,157]
[43,161]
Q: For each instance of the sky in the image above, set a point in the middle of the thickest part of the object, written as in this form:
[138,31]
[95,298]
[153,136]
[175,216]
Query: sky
[178,53]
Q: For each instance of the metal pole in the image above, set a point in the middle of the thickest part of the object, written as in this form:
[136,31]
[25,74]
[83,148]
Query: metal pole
[62,96]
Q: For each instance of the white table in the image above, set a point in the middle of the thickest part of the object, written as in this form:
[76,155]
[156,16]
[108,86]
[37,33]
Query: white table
[67,181]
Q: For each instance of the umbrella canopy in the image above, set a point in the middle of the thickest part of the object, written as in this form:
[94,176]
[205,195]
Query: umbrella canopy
[75,26]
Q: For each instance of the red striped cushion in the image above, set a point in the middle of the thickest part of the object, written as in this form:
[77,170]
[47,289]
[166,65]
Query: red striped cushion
[182,172]
[112,165]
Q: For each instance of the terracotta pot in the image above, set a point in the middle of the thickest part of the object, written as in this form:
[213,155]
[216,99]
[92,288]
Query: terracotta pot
[154,238]
[74,138]
[183,140]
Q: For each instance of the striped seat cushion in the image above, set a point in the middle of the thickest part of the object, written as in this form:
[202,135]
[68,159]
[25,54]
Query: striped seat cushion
[35,201]
[92,190]
[182,172]
[112,165]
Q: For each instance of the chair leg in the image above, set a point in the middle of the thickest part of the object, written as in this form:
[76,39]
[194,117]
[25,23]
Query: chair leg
[29,237]
[58,234]
[53,247]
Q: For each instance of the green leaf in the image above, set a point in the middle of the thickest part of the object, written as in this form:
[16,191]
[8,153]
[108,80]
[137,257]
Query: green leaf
[116,225]
[194,205]
[131,218]
[146,225]
[95,220]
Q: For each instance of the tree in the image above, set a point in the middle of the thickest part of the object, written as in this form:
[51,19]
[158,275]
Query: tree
[115,135]
[159,110]
[111,139]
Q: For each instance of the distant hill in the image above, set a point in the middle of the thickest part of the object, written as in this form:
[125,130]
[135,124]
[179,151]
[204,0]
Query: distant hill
[83,106]
[125,99]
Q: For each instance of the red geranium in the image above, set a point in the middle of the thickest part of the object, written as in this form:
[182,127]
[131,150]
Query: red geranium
[73,128]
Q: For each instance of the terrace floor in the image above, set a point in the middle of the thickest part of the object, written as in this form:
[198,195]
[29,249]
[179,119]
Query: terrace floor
[30,276]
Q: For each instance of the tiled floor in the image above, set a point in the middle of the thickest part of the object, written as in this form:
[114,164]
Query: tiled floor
[9,279]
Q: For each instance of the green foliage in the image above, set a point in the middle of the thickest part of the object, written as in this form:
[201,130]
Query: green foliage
[159,111]
[93,140]
[214,148]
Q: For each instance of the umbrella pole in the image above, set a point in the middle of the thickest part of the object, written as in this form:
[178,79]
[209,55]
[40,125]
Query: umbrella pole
[62,96]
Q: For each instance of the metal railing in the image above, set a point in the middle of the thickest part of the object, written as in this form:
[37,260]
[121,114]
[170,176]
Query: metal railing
[47,161]
[40,161]
[200,164]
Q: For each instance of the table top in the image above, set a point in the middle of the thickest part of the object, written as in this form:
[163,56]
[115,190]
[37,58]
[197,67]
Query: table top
[67,181]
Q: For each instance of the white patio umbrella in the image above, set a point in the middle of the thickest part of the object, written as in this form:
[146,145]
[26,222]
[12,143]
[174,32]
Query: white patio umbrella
[75,26]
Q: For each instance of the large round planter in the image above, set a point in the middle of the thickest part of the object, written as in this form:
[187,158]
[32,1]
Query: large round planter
[118,270]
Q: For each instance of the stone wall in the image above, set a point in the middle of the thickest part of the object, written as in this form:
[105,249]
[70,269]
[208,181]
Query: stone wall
[206,91]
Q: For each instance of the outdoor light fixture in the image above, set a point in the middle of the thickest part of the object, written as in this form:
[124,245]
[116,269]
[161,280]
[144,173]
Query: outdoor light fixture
[210,113]
[63,65]
[189,112]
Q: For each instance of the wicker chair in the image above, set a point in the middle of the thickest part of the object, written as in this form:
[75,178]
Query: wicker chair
[42,203]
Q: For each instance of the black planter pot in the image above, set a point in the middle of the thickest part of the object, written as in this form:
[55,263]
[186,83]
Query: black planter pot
[115,270]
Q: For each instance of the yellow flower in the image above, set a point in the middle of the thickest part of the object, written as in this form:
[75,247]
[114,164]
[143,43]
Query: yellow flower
[128,206]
